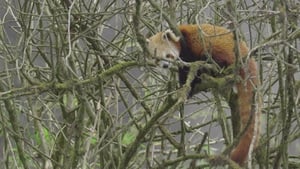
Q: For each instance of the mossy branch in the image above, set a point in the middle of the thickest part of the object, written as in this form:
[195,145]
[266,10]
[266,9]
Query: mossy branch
[46,86]
[169,107]
[213,79]
[12,114]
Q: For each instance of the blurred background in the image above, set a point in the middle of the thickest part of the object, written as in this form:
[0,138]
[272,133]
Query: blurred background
[77,89]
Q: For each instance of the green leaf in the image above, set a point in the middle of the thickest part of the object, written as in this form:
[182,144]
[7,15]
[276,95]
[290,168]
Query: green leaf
[128,138]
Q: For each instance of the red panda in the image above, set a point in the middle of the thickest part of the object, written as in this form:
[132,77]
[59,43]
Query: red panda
[199,42]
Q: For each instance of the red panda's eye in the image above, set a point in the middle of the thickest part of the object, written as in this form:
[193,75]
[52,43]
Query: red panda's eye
[169,56]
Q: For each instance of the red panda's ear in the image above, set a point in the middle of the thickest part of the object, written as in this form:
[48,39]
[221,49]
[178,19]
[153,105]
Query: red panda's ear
[170,35]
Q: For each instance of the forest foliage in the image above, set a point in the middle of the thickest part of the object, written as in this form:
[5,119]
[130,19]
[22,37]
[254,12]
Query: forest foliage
[78,90]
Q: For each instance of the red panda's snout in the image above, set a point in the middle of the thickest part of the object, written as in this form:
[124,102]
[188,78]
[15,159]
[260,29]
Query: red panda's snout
[166,62]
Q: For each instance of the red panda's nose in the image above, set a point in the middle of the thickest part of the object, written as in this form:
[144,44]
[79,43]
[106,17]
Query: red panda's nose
[165,66]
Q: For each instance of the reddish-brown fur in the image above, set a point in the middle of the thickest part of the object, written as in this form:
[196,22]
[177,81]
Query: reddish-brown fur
[202,41]
[213,40]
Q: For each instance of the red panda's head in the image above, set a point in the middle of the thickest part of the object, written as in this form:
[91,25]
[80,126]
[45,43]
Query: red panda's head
[165,47]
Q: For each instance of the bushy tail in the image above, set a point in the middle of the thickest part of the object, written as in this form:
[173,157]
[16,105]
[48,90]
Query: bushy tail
[249,106]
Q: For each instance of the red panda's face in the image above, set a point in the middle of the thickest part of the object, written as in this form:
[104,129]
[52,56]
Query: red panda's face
[162,46]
